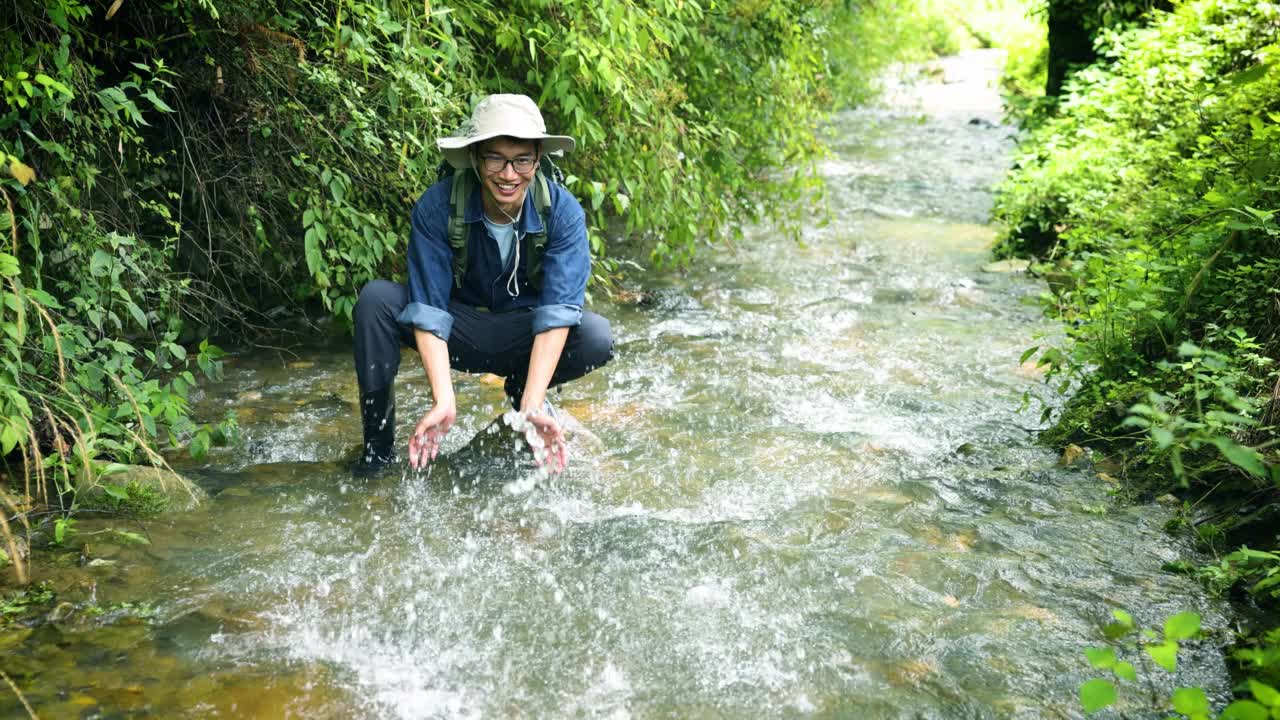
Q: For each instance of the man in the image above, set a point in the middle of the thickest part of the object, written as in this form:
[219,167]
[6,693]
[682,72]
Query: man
[498,268]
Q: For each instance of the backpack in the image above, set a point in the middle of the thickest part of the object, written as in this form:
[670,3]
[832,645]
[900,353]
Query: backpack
[464,183]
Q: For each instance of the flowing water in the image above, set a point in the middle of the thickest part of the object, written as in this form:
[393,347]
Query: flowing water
[814,495]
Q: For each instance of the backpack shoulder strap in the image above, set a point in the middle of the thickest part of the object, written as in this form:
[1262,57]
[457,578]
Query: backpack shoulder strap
[538,241]
[459,196]
[542,197]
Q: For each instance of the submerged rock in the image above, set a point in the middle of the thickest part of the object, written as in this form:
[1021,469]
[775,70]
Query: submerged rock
[500,439]
[1072,455]
[19,546]
[1013,265]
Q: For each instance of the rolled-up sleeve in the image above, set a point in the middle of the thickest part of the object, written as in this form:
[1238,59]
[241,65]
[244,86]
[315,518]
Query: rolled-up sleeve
[548,317]
[565,268]
[430,265]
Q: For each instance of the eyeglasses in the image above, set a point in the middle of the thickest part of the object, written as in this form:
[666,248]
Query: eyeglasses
[496,163]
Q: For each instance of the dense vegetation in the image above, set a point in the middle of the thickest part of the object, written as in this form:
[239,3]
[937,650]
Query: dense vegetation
[178,171]
[1150,198]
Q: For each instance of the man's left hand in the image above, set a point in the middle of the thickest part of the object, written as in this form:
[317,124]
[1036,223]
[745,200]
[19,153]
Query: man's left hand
[554,454]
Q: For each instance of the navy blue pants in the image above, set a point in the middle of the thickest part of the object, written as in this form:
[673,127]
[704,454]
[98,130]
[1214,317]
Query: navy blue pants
[480,342]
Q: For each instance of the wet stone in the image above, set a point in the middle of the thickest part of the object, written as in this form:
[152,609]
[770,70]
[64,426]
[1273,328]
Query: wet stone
[1007,266]
[1031,369]
[1072,455]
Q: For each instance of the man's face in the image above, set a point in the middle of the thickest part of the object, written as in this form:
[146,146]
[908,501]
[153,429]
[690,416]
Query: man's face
[506,167]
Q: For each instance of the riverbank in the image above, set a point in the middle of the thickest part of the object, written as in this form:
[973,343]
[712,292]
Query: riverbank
[1148,201]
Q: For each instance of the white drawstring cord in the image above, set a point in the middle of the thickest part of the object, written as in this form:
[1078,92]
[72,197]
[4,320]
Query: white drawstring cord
[511,281]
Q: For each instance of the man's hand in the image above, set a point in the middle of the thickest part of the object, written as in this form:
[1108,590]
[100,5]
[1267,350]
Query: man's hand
[424,446]
[554,453]
[543,432]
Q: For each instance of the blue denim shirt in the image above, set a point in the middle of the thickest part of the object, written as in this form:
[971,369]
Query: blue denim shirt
[565,267]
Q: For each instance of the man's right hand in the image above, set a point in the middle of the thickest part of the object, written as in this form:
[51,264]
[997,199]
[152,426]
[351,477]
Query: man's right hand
[424,446]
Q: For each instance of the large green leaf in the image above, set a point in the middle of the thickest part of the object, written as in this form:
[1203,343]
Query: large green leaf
[1246,459]
[115,491]
[1165,654]
[1191,702]
[12,431]
[132,537]
[8,265]
[1264,693]
[1182,626]
[1096,694]
[1101,658]
[100,264]
[311,249]
[1249,75]
[1245,710]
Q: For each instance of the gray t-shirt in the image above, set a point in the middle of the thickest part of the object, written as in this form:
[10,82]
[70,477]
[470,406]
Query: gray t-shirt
[505,235]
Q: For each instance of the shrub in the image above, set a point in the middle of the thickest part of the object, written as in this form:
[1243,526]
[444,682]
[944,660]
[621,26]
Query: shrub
[1150,197]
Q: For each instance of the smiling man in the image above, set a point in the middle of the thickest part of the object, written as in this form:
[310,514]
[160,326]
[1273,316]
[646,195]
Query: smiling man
[498,268]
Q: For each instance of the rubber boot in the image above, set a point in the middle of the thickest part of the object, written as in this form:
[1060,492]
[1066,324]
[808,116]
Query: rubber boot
[378,418]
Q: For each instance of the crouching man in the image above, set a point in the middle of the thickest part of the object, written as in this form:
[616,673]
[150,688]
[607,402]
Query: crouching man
[498,268]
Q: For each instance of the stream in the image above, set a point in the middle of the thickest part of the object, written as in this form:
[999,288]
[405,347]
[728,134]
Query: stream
[814,492]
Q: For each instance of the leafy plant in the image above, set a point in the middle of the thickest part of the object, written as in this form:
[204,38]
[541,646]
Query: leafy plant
[133,500]
[1151,647]
[1205,407]
[64,528]
[1258,569]
[1147,199]
[18,602]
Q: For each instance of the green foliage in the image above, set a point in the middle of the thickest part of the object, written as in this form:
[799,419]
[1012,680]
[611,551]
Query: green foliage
[1259,658]
[865,39]
[1147,198]
[93,307]
[64,528]
[1204,407]
[133,500]
[1026,69]
[871,35]
[1257,570]
[1127,639]
[693,118]
[1096,694]
[17,603]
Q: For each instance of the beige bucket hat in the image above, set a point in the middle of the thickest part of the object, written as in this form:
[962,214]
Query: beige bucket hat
[498,115]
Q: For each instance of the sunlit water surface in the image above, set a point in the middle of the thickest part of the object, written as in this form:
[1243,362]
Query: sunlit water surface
[814,496]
